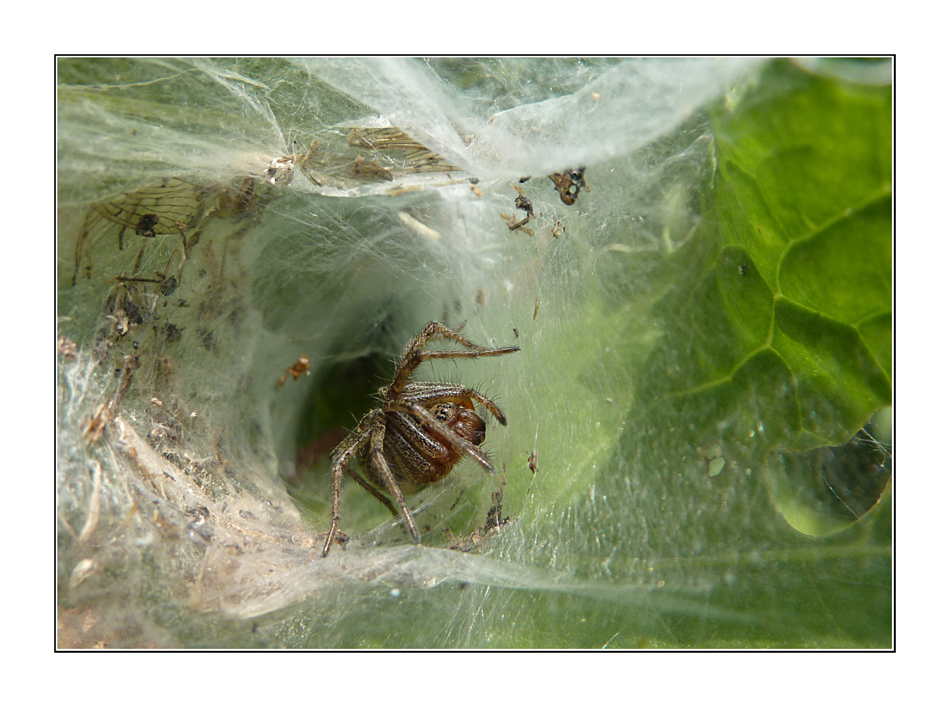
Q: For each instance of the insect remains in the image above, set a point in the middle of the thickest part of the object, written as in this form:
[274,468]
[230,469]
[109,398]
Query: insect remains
[494,523]
[300,368]
[418,434]
[569,184]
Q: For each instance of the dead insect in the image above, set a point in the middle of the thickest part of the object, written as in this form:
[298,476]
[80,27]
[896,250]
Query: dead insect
[577,176]
[300,368]
[524,203]
[523,180]
[494,523]
[513,223]
[533,461]
[537,306]
[169,206]
[281,170]
[417,157]
[419,432]
[371,170]
[146,225]
[569,184]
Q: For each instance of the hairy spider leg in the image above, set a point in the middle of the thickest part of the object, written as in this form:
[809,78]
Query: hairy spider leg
[372,489]
[356,439]
[437,392]
[382,466]
[414,355]
[462,446]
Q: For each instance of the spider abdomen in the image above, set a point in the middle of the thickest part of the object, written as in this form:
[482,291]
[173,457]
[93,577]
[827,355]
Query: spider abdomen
[419,455]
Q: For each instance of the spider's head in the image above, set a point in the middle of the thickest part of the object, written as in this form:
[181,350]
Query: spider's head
[462,420]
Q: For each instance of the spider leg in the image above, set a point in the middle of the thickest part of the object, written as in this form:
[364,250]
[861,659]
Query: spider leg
[372,489]
[382,466]
[414,354]
[422,392]
[335,506]
[487,403]
[341,461]
[463,446]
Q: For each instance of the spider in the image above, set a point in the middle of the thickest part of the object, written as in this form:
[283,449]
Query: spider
[418,434]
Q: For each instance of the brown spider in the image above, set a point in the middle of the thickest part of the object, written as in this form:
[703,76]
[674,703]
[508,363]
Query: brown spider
[418,434]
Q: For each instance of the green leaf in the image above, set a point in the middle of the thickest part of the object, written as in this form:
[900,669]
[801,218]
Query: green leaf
[803,270]
[805,189]
[776,341]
